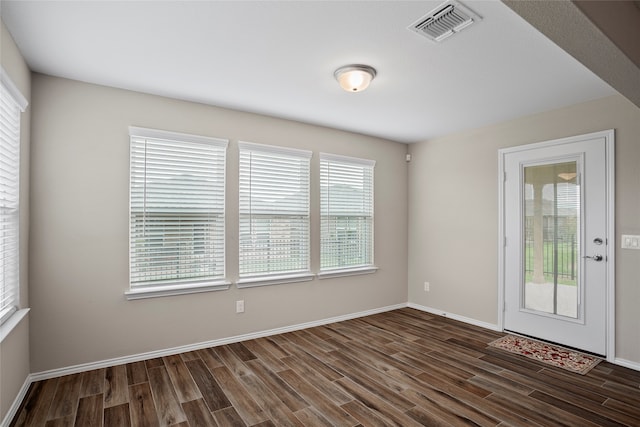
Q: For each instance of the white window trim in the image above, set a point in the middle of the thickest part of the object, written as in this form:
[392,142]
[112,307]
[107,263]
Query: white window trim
[346,159]
[342,272]
[13,321]
[170,290]
[176,136]
[265,148]
[177,288]
[252,282]
[13,90]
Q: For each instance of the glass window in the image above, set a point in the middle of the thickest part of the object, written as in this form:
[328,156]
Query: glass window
[177,209]
[274,210]
[346,212]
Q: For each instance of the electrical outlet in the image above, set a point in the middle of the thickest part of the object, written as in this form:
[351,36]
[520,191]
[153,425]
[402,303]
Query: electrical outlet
[240,306]
[426,287]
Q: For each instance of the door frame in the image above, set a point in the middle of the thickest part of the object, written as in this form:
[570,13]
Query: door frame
[609,136]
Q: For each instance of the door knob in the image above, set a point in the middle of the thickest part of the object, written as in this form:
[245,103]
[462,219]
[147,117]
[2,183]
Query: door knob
[595,257]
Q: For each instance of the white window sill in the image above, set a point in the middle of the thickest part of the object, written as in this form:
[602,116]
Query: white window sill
[250,282]
[329,274]
[12,322]
[170,290]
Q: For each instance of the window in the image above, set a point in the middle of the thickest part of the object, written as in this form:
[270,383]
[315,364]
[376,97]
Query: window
[177,188]
[346,215]
[274,214]
[12,103]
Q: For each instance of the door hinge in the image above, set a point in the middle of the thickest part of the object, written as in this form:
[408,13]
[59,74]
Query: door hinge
[504,177]
[504,243]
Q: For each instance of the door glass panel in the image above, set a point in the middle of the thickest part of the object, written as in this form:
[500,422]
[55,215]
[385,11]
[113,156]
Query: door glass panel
[551,231]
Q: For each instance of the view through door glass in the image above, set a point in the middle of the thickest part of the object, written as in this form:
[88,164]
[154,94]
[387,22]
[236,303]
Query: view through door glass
[551,243]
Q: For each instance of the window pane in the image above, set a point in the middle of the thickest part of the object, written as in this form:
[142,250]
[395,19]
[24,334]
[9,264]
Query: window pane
[9,202]
[552,224]
[274,210]
[177,211]
[346,207]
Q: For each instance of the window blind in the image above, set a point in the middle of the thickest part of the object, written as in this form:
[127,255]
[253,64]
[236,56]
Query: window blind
[274,210]
[12,103]
[346,212]
[177,208]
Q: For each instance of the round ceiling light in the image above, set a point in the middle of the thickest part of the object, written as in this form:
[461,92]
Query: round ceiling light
[355,78]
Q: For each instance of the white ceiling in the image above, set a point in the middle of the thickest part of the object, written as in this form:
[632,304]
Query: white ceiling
[278,58]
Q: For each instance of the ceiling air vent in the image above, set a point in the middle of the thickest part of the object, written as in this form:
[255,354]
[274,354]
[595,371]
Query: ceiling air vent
[445,20]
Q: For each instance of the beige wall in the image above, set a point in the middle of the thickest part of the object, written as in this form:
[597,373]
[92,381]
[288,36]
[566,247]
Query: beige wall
[453,211]
[14,350]
[79,246]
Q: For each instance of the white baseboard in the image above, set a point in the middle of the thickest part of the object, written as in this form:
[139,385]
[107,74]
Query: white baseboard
[627,364]
[13,410]
[455,317]
[53,373]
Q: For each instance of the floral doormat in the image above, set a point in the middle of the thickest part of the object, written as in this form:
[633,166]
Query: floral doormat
[553,355]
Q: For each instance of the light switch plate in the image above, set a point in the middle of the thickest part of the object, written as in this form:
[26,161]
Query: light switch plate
[630,242]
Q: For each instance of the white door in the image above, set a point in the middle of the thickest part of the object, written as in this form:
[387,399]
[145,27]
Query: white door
[556,257]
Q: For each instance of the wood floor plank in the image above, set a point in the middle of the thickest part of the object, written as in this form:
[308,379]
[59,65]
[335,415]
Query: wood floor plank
[311,361]
[399,333]
[117,416]
[142,409]
[116,386]
[397,368]
[35,408]
[272,347]
[336,415]
[473,399]
[210,358]
[426,418]
[597,417]
[190,355]
[326,387]
[136,373]
[213,394]
[539,412]
[164,396]
[92,382]
[242,352]
[373,401]
[154,363]
[65,400]
[90,411]
[308,340]
[242,401]
[228,417]
[198,414]
[184,385]
[278,412]
[631,410]
[67,421]
[232,361]
[447,408]
[386,387]
[376,358]
[286,394]
[274,363]
[368,417]
[309,417]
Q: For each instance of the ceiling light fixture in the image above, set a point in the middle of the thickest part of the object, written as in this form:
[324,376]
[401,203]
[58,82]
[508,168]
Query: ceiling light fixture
[354,78]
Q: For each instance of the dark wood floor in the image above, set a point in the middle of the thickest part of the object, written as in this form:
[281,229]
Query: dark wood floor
[401,368]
